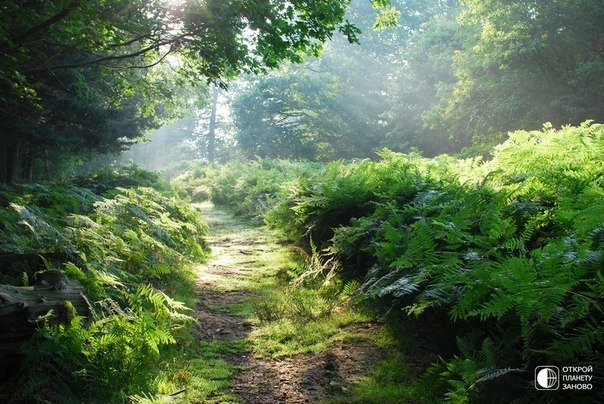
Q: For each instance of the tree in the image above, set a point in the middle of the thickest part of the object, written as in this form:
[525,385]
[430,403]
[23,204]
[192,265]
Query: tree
[211,148]
[328,109]
[78,75]
[275,116]
[358,99]
[529,62]
[422,68]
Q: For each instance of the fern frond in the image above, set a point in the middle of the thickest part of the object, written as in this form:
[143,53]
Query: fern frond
[399,288]
[484,375]
[583,340]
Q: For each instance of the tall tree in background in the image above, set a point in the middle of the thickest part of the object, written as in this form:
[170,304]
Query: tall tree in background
[211,148]
[78,75]
[428,36]
[307,113]
[277,116]
[529,62]
[364,97]
[328,109]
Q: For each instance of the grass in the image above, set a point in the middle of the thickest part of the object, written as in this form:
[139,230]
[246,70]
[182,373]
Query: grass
[392,380]
[210,374]
[288,319]
[287,337]
[197,374]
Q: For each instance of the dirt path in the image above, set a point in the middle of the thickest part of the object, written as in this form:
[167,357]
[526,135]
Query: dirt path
[239,251]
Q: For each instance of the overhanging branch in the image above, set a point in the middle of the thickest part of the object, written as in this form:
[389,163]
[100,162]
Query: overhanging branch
[19,39]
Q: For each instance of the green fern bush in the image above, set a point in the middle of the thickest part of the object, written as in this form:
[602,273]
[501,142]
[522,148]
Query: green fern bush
[134,249]
[249,189]
[140,236]
[511,248]
[516,246]
[113,357]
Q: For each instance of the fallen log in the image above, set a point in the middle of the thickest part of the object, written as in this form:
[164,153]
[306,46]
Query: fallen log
[23,309]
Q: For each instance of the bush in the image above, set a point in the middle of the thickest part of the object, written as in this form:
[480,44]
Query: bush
[511,249]
[516,246]
[131,249]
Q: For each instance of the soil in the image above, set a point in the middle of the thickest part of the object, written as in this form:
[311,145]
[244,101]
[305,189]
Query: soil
[302,378]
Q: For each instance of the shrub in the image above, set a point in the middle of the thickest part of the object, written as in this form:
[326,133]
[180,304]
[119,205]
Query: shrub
[130,249]
[511,249]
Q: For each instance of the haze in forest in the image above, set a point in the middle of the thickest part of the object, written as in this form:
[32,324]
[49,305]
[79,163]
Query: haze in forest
[451,77]
[429,77]
[431,169]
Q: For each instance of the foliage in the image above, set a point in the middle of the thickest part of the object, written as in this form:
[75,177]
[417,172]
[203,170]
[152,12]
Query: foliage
[393,380]
[448,75]
[131,248]
[511,249]
[329,108]
[492,249]
[294,115]
[139,236]
[32,216]
[79,76]
[249,189]
[114,356]
[526,63]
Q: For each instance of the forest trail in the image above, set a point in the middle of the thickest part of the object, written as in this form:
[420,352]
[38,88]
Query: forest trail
[240,252]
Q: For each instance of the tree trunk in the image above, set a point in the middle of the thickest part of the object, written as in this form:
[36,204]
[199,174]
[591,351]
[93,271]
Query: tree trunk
[212,126]
[13,148]
[28,164]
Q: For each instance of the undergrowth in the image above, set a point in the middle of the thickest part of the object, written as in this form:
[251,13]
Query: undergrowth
[507,252]
[132,249]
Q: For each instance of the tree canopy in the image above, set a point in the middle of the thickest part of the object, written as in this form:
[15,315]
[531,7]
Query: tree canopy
[78,75]
[451,74]
[529,62]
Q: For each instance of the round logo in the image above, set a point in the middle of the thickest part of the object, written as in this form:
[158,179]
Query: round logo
[547,378]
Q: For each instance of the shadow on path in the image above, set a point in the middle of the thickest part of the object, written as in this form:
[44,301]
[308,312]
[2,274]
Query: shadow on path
[237,251]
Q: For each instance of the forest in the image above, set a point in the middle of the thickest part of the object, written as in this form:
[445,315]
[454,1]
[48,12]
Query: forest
[433,168]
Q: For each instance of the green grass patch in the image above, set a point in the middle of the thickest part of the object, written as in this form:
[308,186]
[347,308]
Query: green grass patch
[198,373]
[286,337]
[294,319]
[392,380]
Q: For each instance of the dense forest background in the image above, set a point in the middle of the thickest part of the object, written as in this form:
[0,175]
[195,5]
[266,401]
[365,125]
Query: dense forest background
[436,160]
[434,76]
[450,77]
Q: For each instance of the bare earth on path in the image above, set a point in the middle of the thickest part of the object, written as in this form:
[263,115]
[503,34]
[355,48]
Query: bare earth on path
[237,251]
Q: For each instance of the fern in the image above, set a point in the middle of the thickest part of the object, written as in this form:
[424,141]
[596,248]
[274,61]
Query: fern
[485,375]
[399,288]
[44,235]
[351,288]
[134,237]
[577,344]
[512,243]
[464,374]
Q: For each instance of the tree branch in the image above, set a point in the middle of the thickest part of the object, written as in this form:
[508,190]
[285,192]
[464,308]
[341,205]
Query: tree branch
[107,58]
[19,39]
[154,63]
